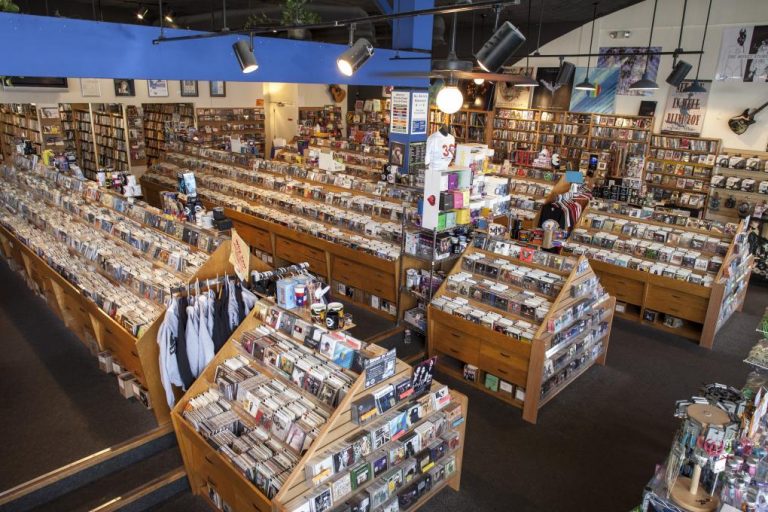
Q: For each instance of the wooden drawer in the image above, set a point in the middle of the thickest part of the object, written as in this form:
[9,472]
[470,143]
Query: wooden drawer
[296,252]
[505,364]
[456,344]
[683,305]
[369,279]
[123,347]
[249,499]
[623,288]
[208,466]
[255,237]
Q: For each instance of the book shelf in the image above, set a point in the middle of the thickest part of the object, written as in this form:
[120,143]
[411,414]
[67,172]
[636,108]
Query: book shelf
[325,122]
[19,122]
[164,122]
[519,323]
[81,114]
[137,149]
[216,125]
[51,128]
[467,125]
[369,122]
[69,128]
[740,175]
[111,138]
[678,170]
[282,476]
[667,271]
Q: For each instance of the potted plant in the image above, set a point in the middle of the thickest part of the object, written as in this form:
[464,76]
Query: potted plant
[295,12]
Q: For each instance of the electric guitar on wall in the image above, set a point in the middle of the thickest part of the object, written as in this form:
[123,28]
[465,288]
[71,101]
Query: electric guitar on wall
[739,124]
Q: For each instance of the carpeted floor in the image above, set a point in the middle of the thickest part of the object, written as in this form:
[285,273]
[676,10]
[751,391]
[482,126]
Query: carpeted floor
[56,406]
[594,448]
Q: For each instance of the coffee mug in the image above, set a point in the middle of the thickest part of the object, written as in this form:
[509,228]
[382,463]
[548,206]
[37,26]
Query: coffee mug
[334,316]
[317,312]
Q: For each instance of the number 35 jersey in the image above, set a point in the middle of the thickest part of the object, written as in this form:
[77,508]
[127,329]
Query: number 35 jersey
[440,151]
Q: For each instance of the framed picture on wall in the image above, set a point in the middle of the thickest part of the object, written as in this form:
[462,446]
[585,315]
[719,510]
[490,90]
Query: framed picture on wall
[218,88]
[157,88]
[89,87]
[124,87]
[189,88]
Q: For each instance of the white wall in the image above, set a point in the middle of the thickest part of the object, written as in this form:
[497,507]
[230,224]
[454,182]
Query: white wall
[726,99]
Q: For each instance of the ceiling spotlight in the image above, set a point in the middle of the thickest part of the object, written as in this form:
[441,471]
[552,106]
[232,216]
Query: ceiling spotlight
[142,13]
[479,81]
[679,72]
[646,83]
[245,56]
[356,55]
[502,44]
[526,81]
[449,99]
[565,74]
[169,17]
[620,34]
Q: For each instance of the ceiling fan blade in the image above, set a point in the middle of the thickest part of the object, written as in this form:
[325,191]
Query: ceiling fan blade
[492,77]
[415,74]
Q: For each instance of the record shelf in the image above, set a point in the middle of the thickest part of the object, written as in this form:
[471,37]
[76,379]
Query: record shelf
[493,327]
[214,477]
[138,353]
[216,125]
[677,274]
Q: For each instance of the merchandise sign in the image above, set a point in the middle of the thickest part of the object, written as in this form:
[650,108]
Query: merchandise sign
[240,257]
[381,368]
[400,112]
[420,113]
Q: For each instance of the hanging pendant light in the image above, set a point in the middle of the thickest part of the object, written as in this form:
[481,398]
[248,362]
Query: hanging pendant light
[586,85]
[527,80]
[680,68]
[696,85]
[646,83]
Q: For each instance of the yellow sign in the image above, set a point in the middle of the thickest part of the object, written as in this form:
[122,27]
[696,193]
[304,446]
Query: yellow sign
[240,257]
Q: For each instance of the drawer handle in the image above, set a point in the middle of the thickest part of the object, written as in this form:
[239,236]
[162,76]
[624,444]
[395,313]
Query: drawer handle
[134,354]
[501,371]
[209,461]
[502,354]
[453,350]
[455,335]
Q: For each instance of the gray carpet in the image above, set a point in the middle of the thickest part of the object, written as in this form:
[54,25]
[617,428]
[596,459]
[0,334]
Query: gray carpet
[56,406]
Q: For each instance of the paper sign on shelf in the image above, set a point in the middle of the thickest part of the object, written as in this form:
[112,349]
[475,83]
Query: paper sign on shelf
[240,256]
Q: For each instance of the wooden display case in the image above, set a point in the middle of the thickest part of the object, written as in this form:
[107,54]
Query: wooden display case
[537,369]
[208,468]
[754,198]
[648,298]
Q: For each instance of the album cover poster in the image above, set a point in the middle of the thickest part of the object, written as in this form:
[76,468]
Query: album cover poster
[744,54]
[631,61]
[506,95]
[549,96]
[684,111]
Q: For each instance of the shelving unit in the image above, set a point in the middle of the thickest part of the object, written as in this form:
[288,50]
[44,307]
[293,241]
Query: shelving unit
[736,190]
[137,150]
[467,125]
[111,138]
[51,128]
[328,118]
[69,128]
[369,124]
[86,156]
[165,122]
[529,326]
[301,475]
[19,122]
[216,125]
[673,277]
[361,161]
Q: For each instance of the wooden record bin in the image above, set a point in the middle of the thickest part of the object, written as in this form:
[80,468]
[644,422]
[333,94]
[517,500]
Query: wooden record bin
[647,297]
[527,366]
[209,469]
[139,355]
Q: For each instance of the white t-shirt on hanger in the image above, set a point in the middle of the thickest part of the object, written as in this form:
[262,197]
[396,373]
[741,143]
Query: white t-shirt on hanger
[440,151]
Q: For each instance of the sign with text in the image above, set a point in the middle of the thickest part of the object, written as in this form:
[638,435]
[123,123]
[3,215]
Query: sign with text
[401,103]
[419,113]
[684,111]
[240,256]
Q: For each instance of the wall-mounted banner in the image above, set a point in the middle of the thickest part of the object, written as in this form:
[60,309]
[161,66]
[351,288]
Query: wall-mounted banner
[631,66]
[603,99]
[401,104]
[506,95]
[744,54]
[419,113]
[684,112]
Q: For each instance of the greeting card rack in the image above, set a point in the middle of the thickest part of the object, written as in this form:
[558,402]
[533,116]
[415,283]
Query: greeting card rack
[519,352]
[215,478]
[678,278]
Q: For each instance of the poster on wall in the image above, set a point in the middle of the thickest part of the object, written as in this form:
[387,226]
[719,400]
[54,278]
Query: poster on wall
[548,95]
[89,87]
[420,113]
[506,95]
[684,111]
[631,65]
[744,54]
[603,99]
[400,112]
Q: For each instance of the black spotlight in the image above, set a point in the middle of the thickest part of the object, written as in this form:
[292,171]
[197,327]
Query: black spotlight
[502,44]
[565,74]
[679,72]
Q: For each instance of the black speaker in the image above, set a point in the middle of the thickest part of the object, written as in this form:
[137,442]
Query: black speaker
[679,72]
[502,44]
[565,74]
